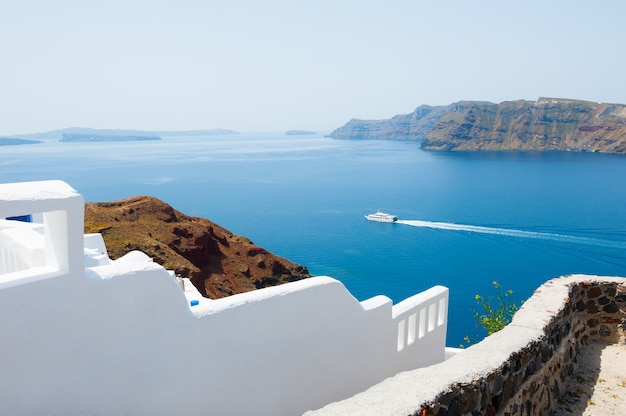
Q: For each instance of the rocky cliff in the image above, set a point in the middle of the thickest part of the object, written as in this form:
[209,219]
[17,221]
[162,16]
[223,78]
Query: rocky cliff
[414,126]
[218,262]
[545,124]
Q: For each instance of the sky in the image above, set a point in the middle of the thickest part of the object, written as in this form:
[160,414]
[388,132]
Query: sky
[275,65]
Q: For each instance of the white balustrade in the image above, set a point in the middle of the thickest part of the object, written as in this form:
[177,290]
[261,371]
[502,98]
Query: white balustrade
[421,323]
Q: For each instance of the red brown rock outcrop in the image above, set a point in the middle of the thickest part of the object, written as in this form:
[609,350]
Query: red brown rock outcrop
[218,262]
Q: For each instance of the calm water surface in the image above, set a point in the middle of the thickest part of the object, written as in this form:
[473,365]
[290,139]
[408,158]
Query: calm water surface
[518,218]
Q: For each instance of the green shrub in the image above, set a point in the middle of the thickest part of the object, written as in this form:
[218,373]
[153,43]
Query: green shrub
[495,311]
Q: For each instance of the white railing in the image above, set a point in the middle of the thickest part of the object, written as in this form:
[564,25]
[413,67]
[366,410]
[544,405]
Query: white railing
[421,322]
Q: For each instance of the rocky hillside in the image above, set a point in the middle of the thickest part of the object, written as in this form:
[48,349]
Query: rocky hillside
[414,126]
[218,262]
[545,124]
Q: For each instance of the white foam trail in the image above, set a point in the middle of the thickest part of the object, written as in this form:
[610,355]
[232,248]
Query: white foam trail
[514,233]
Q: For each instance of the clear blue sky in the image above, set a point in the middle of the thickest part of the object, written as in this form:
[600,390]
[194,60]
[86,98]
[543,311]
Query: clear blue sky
[274,65]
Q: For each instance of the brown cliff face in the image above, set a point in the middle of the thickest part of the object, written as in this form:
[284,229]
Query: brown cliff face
[218,262]
[546,124]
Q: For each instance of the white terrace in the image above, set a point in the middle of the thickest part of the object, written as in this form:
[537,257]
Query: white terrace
[82,334]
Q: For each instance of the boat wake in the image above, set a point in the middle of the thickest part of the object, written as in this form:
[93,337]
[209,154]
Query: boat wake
[563,238]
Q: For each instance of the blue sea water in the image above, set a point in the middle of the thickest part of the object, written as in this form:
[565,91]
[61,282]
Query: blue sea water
[467,219]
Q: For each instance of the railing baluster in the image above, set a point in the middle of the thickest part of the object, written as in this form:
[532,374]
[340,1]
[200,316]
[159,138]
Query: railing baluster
[401,330]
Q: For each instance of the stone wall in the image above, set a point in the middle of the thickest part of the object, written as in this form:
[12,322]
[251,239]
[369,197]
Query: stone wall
[532,380]
[521,370]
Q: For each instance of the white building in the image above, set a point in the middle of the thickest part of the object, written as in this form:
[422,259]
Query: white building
[84,335]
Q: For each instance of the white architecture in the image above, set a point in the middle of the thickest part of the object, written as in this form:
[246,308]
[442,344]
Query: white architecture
[84,335]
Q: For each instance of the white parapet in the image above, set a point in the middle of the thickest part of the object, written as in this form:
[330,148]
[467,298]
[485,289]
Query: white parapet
[122,337]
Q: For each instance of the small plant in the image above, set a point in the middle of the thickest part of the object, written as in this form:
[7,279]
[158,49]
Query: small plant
[495,311]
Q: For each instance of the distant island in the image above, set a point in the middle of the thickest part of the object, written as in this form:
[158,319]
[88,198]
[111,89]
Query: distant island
[542,125]
[299,132]
[9,141]
[104,138]
[84,134]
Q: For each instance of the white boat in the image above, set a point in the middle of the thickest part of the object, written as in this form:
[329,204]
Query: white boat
[381,217]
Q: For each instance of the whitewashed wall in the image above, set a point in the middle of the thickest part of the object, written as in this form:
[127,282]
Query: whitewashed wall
[122,338]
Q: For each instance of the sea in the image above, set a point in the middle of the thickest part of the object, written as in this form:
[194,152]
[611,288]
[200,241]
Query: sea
[466,219]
